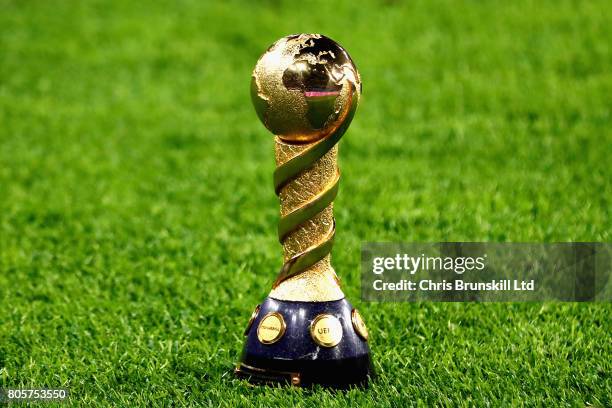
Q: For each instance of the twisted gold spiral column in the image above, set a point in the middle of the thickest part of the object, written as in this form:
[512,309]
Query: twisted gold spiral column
[317,282]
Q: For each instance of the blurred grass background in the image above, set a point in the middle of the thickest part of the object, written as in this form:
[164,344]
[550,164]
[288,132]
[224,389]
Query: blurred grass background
[137,214]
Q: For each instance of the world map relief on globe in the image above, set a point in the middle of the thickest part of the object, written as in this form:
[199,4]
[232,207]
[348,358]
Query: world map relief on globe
[302,86]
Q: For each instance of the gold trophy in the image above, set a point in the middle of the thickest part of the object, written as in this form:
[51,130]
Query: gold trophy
[305,89]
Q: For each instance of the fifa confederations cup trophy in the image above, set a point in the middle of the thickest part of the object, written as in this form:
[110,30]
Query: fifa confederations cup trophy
[305,89]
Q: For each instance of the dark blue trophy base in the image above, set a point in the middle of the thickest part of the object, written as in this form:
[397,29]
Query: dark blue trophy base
[296,359]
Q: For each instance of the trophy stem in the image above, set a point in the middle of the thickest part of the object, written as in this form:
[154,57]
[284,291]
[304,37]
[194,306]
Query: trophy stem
[307,228]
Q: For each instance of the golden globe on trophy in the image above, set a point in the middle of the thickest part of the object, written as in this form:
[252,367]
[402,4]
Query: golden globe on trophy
[305,89]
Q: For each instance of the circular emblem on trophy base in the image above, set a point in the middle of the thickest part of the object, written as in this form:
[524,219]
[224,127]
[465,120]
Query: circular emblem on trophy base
[271,328]
[359,325]
[326,330]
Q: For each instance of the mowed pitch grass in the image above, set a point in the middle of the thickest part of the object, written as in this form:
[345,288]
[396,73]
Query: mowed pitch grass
[137,214]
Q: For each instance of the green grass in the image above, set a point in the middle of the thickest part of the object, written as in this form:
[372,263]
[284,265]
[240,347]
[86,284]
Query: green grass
[137,214]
